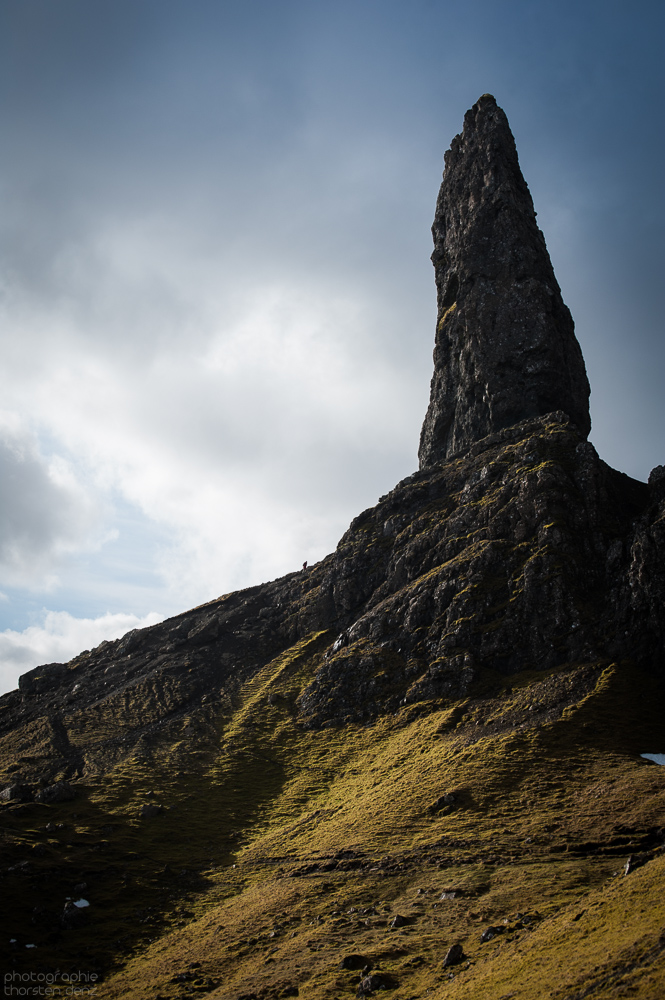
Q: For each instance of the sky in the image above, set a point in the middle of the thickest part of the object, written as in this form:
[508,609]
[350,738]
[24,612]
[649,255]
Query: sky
[217,306]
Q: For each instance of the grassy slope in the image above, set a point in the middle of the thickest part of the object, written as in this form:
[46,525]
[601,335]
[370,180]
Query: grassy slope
[238,875]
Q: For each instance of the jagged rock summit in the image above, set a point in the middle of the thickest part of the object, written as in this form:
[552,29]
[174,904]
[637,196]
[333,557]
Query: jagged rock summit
[505,343]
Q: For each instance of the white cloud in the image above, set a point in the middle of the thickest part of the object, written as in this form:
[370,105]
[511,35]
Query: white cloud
[253,436]
[60,637]
[46,513]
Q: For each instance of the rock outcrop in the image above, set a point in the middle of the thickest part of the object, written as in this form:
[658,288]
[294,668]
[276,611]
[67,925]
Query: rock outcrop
[527,555]
[505,342]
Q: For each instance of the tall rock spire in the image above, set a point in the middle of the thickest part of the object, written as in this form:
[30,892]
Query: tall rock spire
[505,342]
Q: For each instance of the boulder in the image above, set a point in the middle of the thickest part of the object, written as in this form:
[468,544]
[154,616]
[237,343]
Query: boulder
[150,809]
[61,791]
[20,792]
[454,956]
[446,802]
[375,981]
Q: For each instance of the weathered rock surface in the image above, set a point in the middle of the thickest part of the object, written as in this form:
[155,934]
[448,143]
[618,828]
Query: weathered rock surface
[454,956]
[527,555]
[505,343]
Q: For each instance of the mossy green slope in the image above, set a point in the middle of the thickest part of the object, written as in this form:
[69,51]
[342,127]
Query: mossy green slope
[544,820]
[285,850]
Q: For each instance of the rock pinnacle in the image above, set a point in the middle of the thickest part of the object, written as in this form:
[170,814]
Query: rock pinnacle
[505,345]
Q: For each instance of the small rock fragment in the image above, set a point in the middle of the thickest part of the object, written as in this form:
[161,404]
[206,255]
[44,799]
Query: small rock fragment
[370,983]
[20,792]
[72,915]
[636,861]
[150,809]
[454,955]
[447,800]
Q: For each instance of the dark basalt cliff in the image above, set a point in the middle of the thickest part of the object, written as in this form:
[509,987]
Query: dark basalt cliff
[528,554]
[505,342]
[455,682]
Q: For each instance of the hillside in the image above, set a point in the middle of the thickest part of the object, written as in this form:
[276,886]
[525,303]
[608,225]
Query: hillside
[413,767]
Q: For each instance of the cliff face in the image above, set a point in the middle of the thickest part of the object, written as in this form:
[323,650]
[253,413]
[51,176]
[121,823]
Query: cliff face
[505,343]
[522,556]
[430,738]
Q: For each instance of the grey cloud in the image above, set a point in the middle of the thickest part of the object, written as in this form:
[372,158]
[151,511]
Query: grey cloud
[42,518]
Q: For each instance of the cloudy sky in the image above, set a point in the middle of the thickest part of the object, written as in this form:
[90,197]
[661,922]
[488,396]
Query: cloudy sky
[216,302]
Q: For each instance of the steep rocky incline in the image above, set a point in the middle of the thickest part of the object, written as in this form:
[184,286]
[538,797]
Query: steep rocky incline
[531,553]
[196,661]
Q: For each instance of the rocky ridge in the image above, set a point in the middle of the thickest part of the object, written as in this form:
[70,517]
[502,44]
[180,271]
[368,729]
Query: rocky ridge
[531,553]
